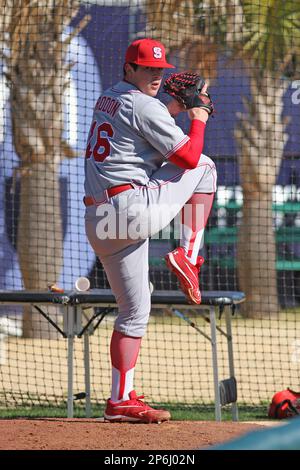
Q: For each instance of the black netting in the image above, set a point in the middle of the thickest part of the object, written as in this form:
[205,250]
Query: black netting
[56,59]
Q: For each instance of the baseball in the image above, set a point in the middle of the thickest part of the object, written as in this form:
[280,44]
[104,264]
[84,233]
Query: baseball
[82,284]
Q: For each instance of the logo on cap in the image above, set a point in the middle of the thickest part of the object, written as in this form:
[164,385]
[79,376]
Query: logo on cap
[157,52]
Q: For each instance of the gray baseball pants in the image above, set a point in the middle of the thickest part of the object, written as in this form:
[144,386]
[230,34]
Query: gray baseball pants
[129,219]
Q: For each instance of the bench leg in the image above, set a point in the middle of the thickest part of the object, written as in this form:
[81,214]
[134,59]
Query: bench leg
[69,316]
[213,331]
[70,376]
[234,407]
[88,410]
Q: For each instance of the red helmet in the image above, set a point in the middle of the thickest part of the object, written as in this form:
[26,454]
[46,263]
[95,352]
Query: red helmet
[285,404]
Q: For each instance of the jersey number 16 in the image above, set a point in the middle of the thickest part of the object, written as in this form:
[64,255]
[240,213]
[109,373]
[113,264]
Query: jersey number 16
[101,148]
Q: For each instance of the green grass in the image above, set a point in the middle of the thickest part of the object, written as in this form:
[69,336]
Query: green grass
[207,413]
[179,412]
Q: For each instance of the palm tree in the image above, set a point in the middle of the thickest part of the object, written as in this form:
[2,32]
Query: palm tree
[270,45]
[264,35]
[37,75]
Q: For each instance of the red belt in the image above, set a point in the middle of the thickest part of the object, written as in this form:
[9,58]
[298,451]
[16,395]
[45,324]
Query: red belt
[90,201]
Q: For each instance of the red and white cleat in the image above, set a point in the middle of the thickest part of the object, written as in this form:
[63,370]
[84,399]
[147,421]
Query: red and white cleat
[186,273]
[134,410]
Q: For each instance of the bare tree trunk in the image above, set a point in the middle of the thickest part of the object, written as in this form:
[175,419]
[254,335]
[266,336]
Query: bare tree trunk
[261,137]
[38,75]
[39,243]
[233,12]
[257,255]
[175,23]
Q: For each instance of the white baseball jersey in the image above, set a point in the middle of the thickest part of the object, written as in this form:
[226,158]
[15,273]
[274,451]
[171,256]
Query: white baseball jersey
[131,135]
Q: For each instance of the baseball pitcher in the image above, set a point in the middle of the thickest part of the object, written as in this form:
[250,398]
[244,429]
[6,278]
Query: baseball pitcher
[141,170]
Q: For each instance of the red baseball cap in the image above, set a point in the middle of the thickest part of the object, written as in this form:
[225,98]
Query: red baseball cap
[147,52]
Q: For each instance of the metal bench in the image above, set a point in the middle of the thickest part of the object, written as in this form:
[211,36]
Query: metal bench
[76,323]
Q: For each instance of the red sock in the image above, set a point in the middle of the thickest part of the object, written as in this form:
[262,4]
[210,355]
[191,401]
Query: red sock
[194,216]
[124,351]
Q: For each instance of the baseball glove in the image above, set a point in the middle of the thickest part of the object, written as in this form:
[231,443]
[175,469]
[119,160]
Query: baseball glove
[186,87]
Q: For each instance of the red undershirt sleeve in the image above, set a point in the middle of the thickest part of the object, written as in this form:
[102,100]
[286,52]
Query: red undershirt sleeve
[188,155]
